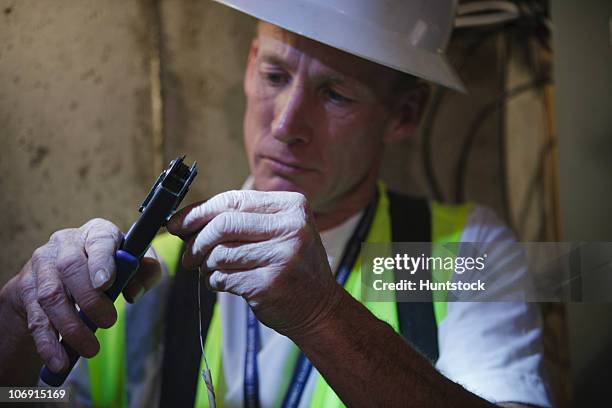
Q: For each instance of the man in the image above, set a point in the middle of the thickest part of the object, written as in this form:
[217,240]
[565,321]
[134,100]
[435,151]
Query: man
[315,124]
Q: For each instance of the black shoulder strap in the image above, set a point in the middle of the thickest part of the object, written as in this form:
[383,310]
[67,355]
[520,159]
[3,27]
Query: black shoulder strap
[182,353]
[411,222]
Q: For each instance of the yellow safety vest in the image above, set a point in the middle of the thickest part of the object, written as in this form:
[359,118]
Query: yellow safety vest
[107,369]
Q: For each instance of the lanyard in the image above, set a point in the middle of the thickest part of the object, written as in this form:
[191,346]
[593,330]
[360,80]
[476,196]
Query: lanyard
[304,366]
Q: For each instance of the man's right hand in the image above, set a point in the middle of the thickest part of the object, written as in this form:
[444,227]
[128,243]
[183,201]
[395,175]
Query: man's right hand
[76,266]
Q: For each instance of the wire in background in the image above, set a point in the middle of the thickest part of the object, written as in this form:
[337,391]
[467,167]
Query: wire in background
[470,137]
[477,40]
[534,182]
[482,13]
[531,21]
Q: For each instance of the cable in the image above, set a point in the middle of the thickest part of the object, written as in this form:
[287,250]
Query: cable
[481,13]
[531,20]
[206,375]
[470,137]
[534,182]
[534,21]
[530,17]
[428,125]
[474,7]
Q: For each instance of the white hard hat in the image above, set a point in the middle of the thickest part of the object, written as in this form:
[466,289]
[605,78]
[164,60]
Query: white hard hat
[406,35]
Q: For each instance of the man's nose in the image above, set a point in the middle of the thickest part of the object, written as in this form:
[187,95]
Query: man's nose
[292,117]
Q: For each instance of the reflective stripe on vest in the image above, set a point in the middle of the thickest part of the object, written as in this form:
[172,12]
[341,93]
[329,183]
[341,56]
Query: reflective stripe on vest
[107,369]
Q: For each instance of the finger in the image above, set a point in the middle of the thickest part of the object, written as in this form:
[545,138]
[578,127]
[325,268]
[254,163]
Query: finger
[238,282]
[101,241]
[43,334]
[53,299]
[231,227]
[72,266]
[238,255]
[147,275]
[193,218]
[174,224]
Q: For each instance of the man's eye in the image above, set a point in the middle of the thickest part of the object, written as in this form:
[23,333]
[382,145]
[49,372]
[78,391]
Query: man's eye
[275,78]
[336,97]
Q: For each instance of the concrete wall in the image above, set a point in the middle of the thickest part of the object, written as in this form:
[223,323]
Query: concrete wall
[204,52]
[74,118]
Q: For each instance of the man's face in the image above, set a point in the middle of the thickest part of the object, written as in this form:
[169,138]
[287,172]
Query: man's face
[315,118]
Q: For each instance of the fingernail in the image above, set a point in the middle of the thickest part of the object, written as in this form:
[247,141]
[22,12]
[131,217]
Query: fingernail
[100,278]
[138,295]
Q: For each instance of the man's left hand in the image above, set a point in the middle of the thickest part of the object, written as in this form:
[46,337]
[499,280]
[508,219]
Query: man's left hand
[263,246]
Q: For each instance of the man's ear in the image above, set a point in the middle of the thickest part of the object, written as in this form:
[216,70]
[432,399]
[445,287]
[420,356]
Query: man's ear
[407,113]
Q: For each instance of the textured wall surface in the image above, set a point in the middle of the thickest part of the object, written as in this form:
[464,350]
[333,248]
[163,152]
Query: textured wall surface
[74,118]
[205,46]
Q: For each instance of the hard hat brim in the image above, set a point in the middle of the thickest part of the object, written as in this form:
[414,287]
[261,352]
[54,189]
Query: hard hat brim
[340,31]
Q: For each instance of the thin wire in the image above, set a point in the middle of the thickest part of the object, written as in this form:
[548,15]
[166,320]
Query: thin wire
[206,375]
[469,139]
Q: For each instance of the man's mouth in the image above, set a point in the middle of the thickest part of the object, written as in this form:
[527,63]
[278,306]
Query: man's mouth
[282,166]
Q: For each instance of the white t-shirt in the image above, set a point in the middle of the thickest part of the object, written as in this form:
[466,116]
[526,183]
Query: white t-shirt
[492,349]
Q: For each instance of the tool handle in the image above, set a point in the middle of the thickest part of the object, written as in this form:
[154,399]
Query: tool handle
[126,266]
